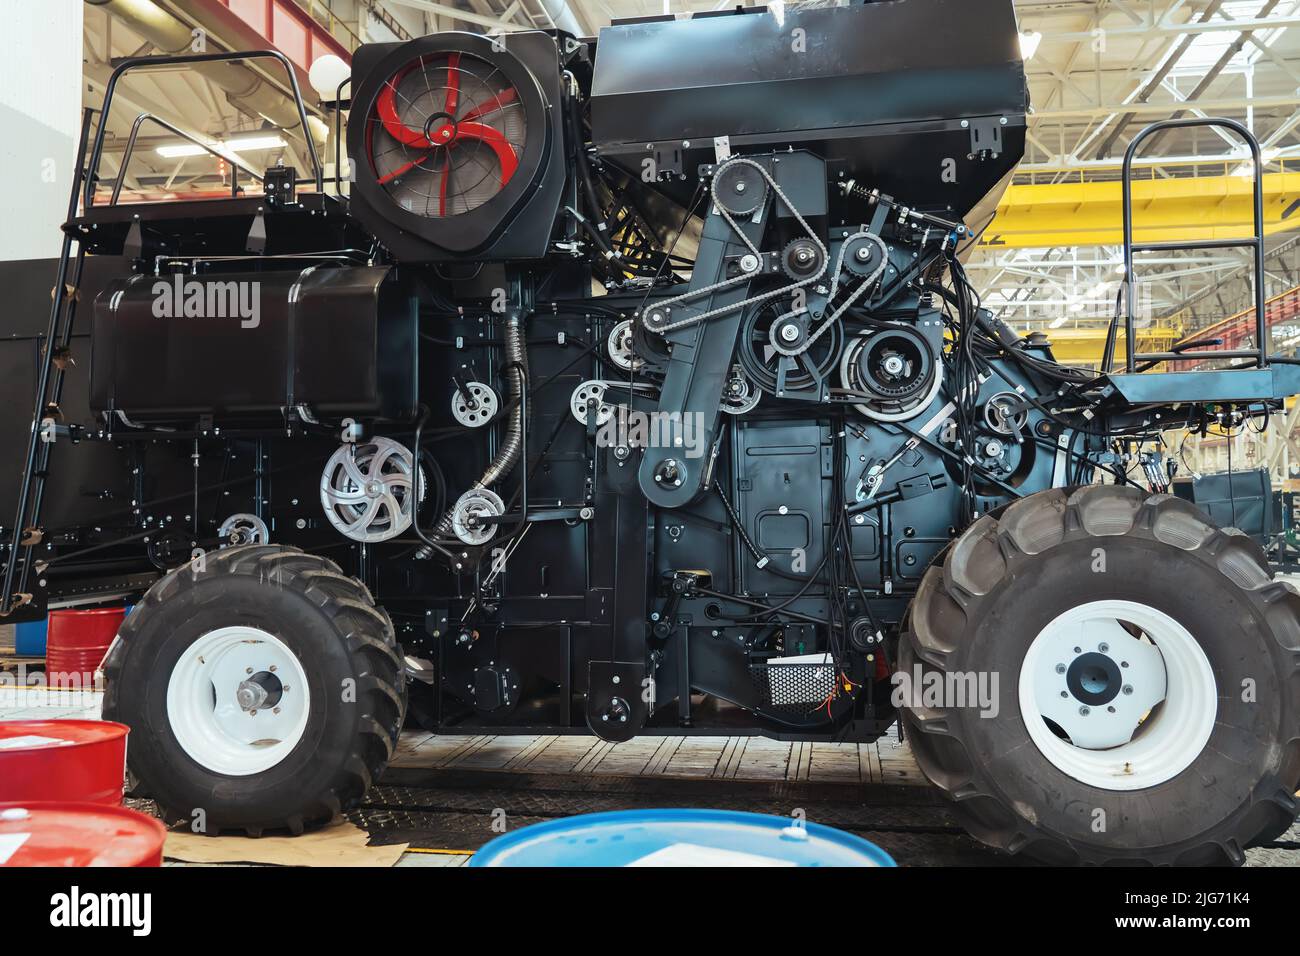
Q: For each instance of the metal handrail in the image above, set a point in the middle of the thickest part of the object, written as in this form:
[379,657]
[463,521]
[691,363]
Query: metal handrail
[88,199]
[130,149]
[1132,356]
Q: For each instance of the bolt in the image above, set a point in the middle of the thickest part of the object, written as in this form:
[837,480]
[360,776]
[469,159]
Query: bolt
[863,254]
[1084,711]
[1103,648]
[1128,688]
[1060,668]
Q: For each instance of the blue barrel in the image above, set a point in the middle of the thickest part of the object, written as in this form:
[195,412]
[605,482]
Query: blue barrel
[679,838]
[29,638]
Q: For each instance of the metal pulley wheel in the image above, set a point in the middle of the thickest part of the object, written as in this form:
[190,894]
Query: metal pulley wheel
[896,371]
[739,394]
[477,408]
[622,348]
[586,394]
[243,528]
[470,508]
[368,490]
[1003,414]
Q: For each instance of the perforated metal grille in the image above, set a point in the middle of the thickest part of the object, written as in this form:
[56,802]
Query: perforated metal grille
[796,690]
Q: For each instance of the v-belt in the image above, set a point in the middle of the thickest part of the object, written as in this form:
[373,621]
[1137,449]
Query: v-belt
[666,326]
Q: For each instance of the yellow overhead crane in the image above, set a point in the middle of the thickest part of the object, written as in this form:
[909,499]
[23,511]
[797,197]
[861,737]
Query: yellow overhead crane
[1083,346]
[1089,213]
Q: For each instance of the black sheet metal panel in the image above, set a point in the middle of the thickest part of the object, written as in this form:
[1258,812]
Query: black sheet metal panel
[339,340]
[881,88]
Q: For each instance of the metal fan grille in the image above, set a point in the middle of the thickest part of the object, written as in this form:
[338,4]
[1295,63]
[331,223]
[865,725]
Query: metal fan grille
[446,134]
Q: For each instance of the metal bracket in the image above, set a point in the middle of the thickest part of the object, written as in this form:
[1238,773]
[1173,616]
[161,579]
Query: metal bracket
[985,136]
[667,160]
[257,233]
[616,710]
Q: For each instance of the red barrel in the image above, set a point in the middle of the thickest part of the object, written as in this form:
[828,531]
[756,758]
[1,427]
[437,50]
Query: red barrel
[77,761]
[76,643]
[78,834]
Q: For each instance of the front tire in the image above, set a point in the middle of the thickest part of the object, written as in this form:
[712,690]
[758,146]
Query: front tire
[1146,670]
[263,688]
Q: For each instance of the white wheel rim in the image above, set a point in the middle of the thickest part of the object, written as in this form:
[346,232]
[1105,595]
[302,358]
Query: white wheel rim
[1065,678]
[237,700]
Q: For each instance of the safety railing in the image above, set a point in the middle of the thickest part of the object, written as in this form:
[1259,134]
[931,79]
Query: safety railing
[92,177]
[207,147]
[1259,355]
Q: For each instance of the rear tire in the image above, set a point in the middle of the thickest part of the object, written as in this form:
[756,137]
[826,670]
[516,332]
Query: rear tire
[1229,640]
[263,688]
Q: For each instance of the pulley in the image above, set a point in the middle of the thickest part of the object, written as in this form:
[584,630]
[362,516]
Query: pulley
[469,511]
[622,346]
[368,489]
[243,528]
[474,404]
[588,395]
[894,370]
[739,394]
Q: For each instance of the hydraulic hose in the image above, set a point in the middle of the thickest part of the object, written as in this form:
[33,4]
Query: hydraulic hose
[507,456]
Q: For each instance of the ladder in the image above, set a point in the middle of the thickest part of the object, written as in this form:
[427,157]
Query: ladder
[49,392]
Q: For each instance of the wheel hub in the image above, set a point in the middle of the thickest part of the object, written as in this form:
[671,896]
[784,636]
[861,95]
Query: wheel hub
[1117,694]
[238,700]
[259,692]
[1094,679]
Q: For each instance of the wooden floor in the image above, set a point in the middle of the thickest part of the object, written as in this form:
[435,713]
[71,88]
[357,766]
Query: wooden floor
[719,758]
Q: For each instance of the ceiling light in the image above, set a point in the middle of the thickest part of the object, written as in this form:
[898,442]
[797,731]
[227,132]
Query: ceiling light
[1029,44]
[237,145]
[325,75]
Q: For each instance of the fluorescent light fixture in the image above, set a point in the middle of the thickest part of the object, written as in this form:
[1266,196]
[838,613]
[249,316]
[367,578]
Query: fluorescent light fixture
[1057,323]
[1029,44]
[237,145]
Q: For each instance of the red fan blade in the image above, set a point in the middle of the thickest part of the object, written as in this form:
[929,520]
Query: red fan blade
[500,101]
[453,84]
[496,141]
[404,168]
[387,109]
